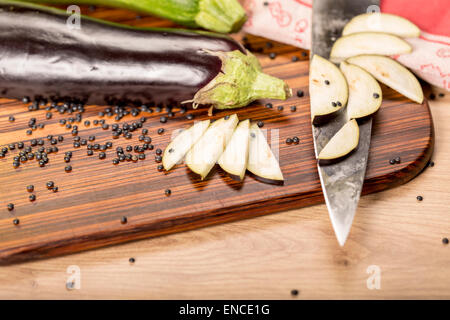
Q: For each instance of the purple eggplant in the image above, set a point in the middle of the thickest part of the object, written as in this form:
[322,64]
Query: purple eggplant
[43,57]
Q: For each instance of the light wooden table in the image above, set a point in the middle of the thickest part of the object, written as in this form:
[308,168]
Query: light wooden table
[267,257]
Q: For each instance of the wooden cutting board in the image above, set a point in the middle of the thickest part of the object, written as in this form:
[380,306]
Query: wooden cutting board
[92,199]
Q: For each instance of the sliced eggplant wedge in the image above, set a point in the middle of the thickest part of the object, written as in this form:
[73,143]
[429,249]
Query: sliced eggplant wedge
[364,97]
[392,74]
[235,157]
[182,143]
[261,160]
[368,43]
[341,144]
[202,157]
[382,22]
[327,89]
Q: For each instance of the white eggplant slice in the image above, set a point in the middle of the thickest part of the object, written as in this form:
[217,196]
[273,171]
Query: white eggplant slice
[368,43]
[382,22]
[342,143]
[203,155]
[392,74]
[261,160]
[235,157]
[327,89]
[364,92]
[181,144]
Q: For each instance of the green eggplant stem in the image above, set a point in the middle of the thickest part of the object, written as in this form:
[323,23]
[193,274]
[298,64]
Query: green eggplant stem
[224,16]
[240,82]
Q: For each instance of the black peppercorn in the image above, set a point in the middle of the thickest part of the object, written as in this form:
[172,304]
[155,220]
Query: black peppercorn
[397,160]
[280,108]
[160,130]
[158,159]
[123,220]
[132,260]
[115,161]
[260,124]
[334,104]
[16,221]
[392,161]
[419,198]
[50,184]
[327,82]
[288,140]
[272,55]
[295,59]
[10,206]
[12,119]
[163,120]
[300,93]
[296,140]
[190,116]
[294,292]
[445,240]
[158,151]
[376,95]
[293,108]
[269,105]
[55,189]
[32,197]
[68,168]
[102,155]
[160,167]
[168,192]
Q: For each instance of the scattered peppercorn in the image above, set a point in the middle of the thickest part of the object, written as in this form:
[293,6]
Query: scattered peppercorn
[158,159]
[445,240]
[168,192]
[419,198]
[295,59]
[32,197]
[132,260]
[102,155]
[160,130]
[10,206]
[280,108]
[68,168]
[260,124]
[16,221]
[327,82]
[288,140]
[296,140]
[392,161]
[300,93]
[269,105]
[123,220]
[158,151]
[376,95]
[55,189]
[160,167]
[293,108]
[294,292]
[272,55]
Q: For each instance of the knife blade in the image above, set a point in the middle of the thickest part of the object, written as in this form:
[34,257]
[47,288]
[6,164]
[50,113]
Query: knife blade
[341,182]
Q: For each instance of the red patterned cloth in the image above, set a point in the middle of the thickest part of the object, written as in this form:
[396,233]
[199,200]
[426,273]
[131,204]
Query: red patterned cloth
[289,21]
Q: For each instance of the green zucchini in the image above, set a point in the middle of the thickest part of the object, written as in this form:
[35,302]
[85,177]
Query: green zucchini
[224,16]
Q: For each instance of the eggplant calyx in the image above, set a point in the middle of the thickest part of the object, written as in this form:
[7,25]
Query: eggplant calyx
[240,82]
[225,16]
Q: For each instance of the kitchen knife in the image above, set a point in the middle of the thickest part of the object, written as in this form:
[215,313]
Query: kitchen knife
[341,182]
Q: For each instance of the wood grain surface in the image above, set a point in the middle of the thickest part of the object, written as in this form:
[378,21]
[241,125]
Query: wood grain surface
[86,212]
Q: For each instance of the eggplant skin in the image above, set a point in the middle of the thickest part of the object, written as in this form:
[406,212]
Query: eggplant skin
[103,62]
